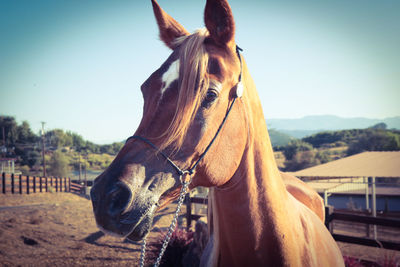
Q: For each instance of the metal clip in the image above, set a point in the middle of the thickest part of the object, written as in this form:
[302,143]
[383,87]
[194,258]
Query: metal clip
[183,177]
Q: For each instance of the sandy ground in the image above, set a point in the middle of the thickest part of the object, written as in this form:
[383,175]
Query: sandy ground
[58,229]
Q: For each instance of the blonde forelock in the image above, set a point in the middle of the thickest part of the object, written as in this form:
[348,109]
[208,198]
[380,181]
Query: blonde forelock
[192,86]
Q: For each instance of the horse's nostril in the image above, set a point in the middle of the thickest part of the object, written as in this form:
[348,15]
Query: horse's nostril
[119,199]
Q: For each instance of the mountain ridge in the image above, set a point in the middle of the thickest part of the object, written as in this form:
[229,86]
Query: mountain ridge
[330,122]
[309,125]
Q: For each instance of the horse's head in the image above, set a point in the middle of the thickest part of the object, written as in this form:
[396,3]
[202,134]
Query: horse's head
[185,102]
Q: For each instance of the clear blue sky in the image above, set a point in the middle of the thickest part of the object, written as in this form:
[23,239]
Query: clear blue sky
[78,64]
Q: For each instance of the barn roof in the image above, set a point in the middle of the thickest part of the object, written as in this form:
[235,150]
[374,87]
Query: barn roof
[366,164]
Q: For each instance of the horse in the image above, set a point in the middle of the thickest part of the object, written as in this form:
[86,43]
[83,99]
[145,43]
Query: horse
[203,125]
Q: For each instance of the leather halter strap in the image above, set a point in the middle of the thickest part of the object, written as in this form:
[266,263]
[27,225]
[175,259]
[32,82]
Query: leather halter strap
[190,171]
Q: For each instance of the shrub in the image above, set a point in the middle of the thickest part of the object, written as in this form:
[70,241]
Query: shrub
[25,170]
[296,146]
[375,140]
[58,165]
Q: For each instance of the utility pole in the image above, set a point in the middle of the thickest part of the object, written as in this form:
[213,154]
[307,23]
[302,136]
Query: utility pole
[80,167]
[43,151]
[4,136]
[4,143]
[85,177]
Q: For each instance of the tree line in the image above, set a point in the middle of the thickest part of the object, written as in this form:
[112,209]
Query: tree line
[320,148]
[20,142]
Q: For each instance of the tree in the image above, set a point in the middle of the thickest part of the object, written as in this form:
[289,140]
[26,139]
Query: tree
[382,126]
[25,134]
[302,160]
[77,140]
[58,138]
[306,159]
[112,149]
[375,140]
[319,139]
[295,146]
[10,129]
[58,165]
[31,158]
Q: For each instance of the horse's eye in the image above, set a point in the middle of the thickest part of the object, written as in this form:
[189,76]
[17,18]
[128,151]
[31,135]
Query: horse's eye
[211,96]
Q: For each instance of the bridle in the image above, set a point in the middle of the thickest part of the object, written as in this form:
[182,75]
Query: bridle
[187,172]
[181,173]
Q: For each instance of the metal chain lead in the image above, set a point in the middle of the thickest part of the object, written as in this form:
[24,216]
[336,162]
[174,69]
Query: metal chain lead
[188,172]
[143,252]
[171,228]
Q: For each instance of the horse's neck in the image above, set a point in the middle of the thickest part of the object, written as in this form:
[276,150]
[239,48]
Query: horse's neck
[250,209]
[247,213]
[255,221]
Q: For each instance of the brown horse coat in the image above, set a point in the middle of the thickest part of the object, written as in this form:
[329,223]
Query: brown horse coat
[260,217]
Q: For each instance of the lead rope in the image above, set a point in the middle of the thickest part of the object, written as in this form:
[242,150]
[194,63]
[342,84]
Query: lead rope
[172,226]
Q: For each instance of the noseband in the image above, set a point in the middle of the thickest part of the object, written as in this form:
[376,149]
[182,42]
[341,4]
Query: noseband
[187,172]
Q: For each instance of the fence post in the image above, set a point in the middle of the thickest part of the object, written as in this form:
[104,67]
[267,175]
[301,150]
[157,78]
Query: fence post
[47,183]
[34,184]
[3,178]
[188,211]
[366,193]
[12,183]
[374,204]
[326,197]
[20,183]
[328,218]
[27,184]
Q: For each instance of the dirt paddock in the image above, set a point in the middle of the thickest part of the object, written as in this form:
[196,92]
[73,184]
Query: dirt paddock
[58,229]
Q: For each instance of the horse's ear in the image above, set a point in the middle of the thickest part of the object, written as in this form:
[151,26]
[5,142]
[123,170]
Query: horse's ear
[170,29]
[219,21]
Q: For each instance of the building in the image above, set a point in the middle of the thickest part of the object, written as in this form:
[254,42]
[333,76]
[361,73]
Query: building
[367,173]
[7,165]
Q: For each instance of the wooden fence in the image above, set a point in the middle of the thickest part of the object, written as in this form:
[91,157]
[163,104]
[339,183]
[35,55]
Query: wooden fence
[330,217]
[189,214]
[21,184]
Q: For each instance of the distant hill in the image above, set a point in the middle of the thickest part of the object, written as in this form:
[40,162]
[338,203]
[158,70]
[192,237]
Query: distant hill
[312,124]
[299,133]
[279,138]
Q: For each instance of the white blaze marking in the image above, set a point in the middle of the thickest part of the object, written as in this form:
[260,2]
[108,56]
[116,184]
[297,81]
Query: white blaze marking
[170,75]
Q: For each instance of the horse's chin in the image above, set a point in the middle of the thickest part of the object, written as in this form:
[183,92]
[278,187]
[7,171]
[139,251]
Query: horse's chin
[142,229]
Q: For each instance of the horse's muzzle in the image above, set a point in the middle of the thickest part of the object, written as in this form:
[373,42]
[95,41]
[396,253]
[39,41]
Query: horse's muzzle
[117,213]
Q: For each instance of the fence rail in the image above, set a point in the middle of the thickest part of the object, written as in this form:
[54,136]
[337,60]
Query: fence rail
[189,214]
[76,188]
[330,217]
[21,184]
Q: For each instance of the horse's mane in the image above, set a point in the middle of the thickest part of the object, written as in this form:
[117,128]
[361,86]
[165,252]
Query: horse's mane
[192,86]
